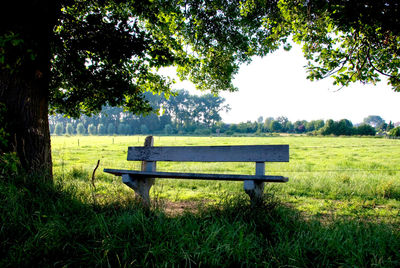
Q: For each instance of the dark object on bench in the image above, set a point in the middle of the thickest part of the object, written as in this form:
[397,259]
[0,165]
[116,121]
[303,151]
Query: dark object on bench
[141,181]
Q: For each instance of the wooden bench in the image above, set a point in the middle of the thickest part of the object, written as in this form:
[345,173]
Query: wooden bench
[141,181]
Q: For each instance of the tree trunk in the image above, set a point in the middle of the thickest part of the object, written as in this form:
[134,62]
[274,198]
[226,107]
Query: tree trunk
[24,82]
[26,101]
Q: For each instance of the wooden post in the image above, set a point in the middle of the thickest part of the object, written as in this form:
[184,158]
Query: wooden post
[254,188]
[142,186]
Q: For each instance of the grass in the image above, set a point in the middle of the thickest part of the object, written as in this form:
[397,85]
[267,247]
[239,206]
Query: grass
[325,173]
[331,212]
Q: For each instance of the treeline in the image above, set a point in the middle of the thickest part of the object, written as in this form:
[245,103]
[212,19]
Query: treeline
[186,114]
[181,113]
[283,125]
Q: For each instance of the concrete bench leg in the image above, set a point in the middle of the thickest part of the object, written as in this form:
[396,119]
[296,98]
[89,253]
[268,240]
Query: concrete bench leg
[141,187]
[255,190]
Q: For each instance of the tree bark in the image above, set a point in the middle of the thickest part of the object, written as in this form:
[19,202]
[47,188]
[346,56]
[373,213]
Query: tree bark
[26,101]
[24,83]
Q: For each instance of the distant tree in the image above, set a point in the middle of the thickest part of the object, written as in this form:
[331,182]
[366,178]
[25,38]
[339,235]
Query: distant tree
[318,124]
[232,128]
[382,127]
[390,126]
[395,132]
[260,120]
[283,120]
[168,130]
[310,126]
[122,129]
[129,130]
[289,127]
[92,129]
[202,131]
[374,120]
[300,126]
[59,129]
[365,130]
[101,129]
[344,127]
[329,128]
[275,126]
[267,124]
[111,129]
[80,129]
[69,129]
[144,129]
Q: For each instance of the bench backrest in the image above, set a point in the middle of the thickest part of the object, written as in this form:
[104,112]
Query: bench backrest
[239,153]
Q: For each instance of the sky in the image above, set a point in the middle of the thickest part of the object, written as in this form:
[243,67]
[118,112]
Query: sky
[276,85]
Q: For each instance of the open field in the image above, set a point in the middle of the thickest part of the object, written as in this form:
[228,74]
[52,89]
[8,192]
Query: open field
[328,176]
[340,208]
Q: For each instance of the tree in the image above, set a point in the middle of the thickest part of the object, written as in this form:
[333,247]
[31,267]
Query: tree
[101,129]
[168,130]
[92,129]
[329,128]
[344,127]
[347,40]
[374,120]
[390,126]
[267,124]
[275,126]
[365,130]
[69,129]
[122,129]
[395,132]
[80,129]
[110,129]
[144,129]
[77,56]
[59,130]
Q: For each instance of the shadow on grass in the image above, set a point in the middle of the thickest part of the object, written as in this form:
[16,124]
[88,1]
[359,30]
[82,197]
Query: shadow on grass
[43,225]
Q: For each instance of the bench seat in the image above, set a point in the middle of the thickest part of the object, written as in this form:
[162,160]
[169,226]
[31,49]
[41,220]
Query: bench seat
[196,176]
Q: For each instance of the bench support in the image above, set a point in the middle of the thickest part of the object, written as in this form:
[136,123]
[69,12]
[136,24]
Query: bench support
[142,185]
[255,189]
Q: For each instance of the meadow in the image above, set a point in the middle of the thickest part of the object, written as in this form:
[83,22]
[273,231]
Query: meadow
[328,176]
[340,208]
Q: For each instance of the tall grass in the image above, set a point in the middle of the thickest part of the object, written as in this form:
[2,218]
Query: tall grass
[46,225]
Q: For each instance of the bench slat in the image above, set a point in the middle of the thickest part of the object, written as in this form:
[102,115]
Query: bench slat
[197,176]
[241,153]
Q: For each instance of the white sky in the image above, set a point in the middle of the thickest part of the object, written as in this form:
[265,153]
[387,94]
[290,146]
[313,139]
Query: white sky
[276,85]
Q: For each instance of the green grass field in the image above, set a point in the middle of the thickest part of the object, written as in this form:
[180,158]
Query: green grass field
[328,176]
[340,208]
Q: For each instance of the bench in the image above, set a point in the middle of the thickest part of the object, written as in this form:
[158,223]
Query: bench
[141,181]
